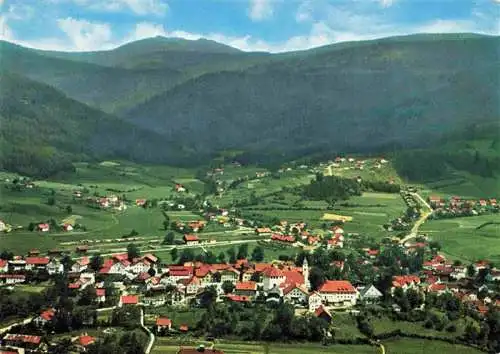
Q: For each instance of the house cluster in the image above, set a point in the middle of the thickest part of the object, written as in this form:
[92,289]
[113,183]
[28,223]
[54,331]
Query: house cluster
[457,206]
[14,271]
[106,202]
[297,234]
[441,276]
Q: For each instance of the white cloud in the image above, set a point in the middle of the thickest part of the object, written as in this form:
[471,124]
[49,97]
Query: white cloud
[386,3]
[5,31]
[20,12]
[85,35]
[139,7]
[260,9]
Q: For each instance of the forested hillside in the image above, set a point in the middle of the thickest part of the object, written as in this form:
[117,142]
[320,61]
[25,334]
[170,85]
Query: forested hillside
[201,97]
[42,131]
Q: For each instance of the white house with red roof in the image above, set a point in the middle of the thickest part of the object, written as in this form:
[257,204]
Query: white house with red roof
[295,294]
[44,227]
[100,294]
[4,266]
[126,300]
[191,239]
[272,277]
[405,282]
[36,262]
[338,293]
[80,265]
[163,323]
[246,288]
[45,317]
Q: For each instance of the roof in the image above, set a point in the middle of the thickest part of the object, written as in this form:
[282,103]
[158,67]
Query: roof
[294,277]
[25,338]
[321,310]
[129,299]
[47,315]
[283,238]
[37,260]
[151,257]
[188,238]
[163,321]
[183,328]
[238,298]
[273,272]
[86,340]
[289,288]
[401,280]
[260,267]
[3,263]
[246,285]
[337,286]
[100,292]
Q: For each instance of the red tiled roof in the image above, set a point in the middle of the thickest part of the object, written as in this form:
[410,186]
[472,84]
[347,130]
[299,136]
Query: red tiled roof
[401,280]
[74,285]
[436,287]
[263,230]
[86,340]
[283,238]
[294,277]
[337,286]
[37,260]
[260,267]
[183,328]
[12,276]
[289,288]
[182,272]
[163,321]
[3,263]
[321,310]
[238,298]
[130,299]
[100,292]
[188,238]
[24,338]
[246,285]
[47,315]
[273,272]
[151,257]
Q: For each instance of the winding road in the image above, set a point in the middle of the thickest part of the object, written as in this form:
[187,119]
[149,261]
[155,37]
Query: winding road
[425,214]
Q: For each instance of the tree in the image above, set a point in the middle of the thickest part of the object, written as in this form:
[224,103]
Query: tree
[132,251]
[208,296]
[166,224]
[227,287]
[258,254]
[51,201]
[471,270]
[96,262]
[242,251]
[316,278]
[231,254]
[174,253]
[69,209]
[187,255]
[169,238]
[222,257]
[152,271]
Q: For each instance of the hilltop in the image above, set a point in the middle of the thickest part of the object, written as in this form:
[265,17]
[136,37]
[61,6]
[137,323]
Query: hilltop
[43,131]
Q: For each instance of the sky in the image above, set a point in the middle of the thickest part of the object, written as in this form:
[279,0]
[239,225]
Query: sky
[250,25]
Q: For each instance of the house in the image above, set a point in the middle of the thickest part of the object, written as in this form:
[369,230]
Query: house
[369,294]
[229,274]
[45,317]
[405,282]
[338,293]
[295,294]
[283,238]
[85,340]
[128,300]
[80,265]
[315,300]
[22,340]
[247,288]
[43,227]
[371,253]
[263,231]
[3,226]
[12,278]
[82,249]
[191,239]
[100,294]
[36,263]
[179,188]
[272,277]
[4,266]
[140,202]
[323,313]
[176,273]
[67,227]
[163,323]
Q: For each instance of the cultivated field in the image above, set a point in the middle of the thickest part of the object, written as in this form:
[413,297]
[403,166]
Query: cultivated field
[461,238]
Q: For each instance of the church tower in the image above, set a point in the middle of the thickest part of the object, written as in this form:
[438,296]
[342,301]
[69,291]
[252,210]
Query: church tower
[305,273]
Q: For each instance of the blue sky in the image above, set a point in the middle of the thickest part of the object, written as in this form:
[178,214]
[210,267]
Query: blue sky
[270,25]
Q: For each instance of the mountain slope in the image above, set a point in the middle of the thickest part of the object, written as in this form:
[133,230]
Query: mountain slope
[374,95]
[42,131]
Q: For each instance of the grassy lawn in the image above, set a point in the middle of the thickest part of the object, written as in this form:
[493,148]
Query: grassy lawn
[178,316]
[419,346]
[166,345]
[459,237]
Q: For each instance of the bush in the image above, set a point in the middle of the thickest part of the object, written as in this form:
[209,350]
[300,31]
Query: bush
[451,328]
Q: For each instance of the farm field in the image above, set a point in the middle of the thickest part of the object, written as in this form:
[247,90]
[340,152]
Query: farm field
[164,345]
[419,346]
[460,237]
